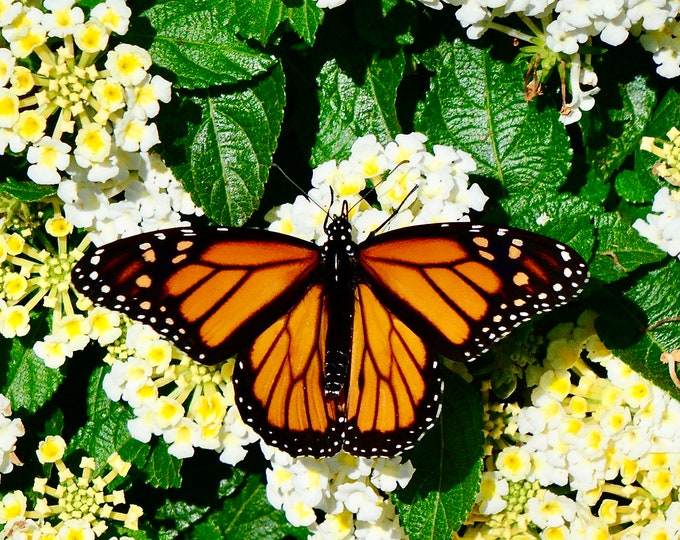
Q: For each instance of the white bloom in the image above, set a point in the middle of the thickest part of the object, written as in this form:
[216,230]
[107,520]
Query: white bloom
[53,351]
[360,499]
[133,134]
[514,463]
[143,99]
[62,17]
[91,37]
[182,438]
[48,156]
[113,14]
[128,64]
[93,145]
[490,497]
[551,510]
[663,228]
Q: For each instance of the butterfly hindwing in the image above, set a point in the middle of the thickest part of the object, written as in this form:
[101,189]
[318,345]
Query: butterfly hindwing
[279,382]
[394,384]
[392,391]
[461,287]
[211,291]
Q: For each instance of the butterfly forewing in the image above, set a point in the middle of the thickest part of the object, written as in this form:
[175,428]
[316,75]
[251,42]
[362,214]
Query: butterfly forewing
[211,291]
[462,287]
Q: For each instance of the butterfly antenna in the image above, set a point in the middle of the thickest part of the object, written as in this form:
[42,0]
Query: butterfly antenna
[304,193]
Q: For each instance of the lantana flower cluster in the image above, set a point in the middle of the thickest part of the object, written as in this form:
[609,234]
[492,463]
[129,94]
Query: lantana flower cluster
[143,195]
[349,493]
[38,277]
[189,404]
[593,456]
[10,430]
[420,186]
[62,100]
[78,507]
[663,226]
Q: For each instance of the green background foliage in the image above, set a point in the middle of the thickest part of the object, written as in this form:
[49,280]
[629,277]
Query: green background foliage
[275,81]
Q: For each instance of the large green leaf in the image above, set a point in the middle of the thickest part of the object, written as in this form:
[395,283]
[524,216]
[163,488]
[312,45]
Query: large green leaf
[27,191]
[641,322]
[620,249]
[245,514]
[231,146]
[612,131]
[27,381]
[194,41]
[477,104]
[356,102]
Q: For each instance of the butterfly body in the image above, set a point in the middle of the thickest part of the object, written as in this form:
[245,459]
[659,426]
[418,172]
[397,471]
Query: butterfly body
[339,270]
[336,345]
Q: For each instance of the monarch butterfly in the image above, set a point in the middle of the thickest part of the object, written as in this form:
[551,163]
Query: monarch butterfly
[335,344]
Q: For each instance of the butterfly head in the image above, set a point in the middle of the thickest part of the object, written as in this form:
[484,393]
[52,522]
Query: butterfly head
[339,231]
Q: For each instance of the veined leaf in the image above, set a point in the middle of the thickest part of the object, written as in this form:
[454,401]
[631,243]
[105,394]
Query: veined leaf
[195,42]
[259,19]
[231,148]
[477,104]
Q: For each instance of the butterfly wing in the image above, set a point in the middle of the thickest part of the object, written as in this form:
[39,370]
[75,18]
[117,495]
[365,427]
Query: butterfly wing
[279,382]
[391,396]
[462,287]
[394,387]
[211,291]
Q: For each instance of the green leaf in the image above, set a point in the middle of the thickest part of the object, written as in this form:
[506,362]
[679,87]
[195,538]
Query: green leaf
[246,515]
[27,191]
[476,104]
[388,23]
[620,249]
[194,42]
[641,322]
[259,19]
[27,382]
[356,101]
[231,148]
[162,469]
[635,188]
[183,514]
[612,131]
[448,464]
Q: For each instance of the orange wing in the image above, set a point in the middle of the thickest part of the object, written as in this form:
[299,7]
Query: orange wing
[394,383]
[211,291]
[462,287]
[279,382]
[391,396]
